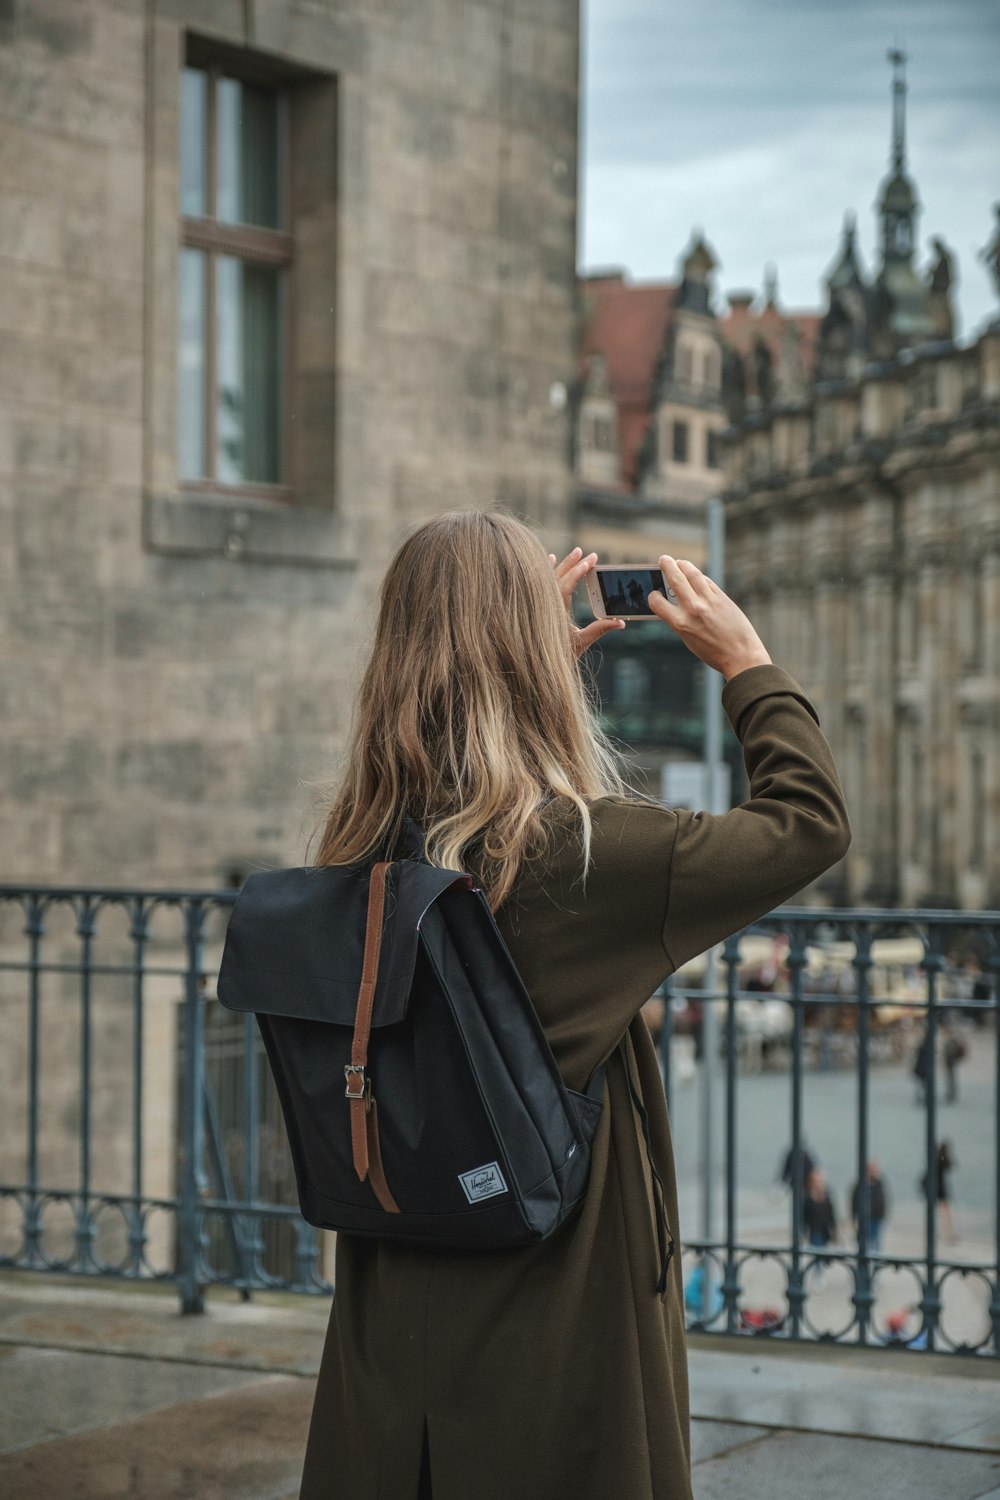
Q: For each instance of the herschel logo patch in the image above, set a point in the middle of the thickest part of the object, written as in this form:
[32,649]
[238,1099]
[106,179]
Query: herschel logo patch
[483,1182]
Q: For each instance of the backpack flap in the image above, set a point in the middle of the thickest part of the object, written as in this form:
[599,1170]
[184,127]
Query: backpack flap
[295,942]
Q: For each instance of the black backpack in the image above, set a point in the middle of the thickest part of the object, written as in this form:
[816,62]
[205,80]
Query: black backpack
[422,1101]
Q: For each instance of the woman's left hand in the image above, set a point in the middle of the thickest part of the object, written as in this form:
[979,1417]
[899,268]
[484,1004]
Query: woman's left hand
[568,574]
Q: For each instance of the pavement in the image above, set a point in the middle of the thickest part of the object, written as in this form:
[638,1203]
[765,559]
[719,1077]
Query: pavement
[108,1393]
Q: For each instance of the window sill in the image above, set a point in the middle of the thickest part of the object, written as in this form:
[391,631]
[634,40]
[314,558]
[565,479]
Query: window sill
[247,530]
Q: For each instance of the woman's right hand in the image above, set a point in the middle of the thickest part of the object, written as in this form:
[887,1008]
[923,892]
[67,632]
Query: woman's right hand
[709,623]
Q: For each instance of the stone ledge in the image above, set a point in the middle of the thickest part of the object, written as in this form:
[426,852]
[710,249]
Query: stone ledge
[247,530]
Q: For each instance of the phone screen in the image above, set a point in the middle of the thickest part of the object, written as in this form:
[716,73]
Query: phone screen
[624,590]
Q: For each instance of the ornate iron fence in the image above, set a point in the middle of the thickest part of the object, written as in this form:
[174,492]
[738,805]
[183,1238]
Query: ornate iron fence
[140,1135]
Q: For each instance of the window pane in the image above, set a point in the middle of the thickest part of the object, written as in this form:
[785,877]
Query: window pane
[191,365]
[248,317]
[194,114]
[248,155]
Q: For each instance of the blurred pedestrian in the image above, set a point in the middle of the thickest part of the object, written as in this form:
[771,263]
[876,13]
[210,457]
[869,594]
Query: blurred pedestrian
[878,1204]
[807,1161]
[819,1215]
[694,1294]
[946,1163]
[955,1050]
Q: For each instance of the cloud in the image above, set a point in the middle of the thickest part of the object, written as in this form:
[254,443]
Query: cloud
[764,120]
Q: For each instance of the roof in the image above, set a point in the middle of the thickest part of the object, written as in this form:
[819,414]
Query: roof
[626,322]
[741,330]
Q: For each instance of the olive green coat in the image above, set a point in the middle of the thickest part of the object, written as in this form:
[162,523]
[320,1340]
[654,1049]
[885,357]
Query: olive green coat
[557,1370]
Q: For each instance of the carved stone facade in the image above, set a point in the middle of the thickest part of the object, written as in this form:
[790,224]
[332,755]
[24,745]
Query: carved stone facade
[863,539]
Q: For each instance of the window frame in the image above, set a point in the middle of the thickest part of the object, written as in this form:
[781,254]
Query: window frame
[680,438]
[252,243]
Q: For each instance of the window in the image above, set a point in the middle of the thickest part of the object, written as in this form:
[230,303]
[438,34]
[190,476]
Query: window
[922,389]
[975,610]
[680,442]
[232,281]
[709,375]
[916,806]
[711,449]
[977,804]
[684,363]
[603,434]
[970,380]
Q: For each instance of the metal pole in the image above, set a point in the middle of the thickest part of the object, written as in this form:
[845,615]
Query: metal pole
[712,801]
[194,1181]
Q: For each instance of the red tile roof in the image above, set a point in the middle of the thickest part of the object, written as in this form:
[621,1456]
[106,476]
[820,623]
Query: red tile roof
[626,323]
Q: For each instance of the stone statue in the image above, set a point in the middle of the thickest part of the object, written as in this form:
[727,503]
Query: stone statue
[940,280]
[990,254]
[942,272]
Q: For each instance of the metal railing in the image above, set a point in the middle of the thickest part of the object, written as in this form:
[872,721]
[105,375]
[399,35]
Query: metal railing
[119,1067]
[941,935]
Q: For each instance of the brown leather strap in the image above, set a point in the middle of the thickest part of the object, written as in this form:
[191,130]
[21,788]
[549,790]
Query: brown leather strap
[376,1171]
[365,1147]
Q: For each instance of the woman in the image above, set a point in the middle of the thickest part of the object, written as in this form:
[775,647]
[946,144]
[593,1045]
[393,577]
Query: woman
[556,1370]
[945,1165]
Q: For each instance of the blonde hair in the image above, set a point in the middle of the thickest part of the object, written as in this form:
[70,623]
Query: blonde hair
[472,712]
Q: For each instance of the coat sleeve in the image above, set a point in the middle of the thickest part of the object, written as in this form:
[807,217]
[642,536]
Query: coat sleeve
[729,869]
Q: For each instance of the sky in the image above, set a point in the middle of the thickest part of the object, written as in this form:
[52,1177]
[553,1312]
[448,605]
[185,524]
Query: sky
[762,121]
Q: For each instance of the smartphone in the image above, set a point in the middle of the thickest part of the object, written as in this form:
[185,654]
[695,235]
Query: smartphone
[620,589]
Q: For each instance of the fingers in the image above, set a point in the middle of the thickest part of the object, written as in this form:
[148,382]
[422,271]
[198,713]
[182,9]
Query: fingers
[699,580]
[687,581]
[662,607]
[571,570]
[573,566]
[591,633]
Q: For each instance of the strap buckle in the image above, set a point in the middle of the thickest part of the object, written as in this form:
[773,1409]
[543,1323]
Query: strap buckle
[355,1073]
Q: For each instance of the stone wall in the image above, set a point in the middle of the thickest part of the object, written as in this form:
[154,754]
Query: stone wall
[172,671]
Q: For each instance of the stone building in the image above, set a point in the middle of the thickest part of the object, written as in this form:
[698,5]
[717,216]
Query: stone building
[660,375]
[279,279]
[863,539]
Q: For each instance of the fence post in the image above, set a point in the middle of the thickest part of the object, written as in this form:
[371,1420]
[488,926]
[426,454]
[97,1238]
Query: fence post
[194,1182]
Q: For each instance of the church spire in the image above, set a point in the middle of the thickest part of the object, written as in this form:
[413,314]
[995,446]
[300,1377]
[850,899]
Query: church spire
[898,59]
[898,201]
[901,312]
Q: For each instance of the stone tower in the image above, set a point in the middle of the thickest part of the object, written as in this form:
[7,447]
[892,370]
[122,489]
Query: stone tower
[901,312]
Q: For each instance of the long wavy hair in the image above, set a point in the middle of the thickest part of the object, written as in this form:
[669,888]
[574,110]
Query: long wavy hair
[472,713]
